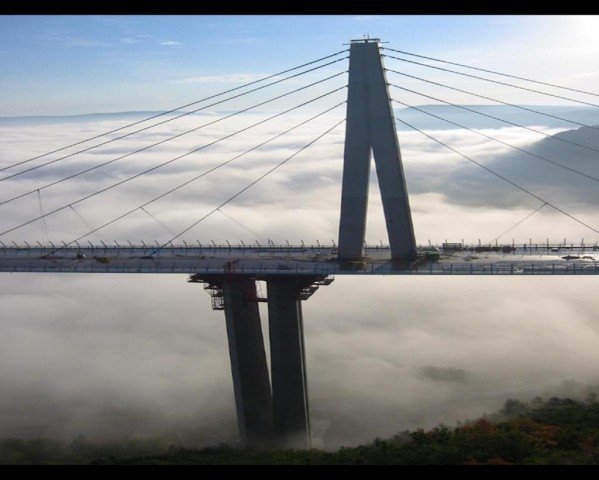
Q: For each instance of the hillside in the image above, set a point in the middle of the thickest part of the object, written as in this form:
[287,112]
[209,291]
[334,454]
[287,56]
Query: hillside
[539,432]
[557,431]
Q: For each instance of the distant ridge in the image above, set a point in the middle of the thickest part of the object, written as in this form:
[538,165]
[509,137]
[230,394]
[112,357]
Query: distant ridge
[99,117]
[581,114]
[85,117]
[586,115]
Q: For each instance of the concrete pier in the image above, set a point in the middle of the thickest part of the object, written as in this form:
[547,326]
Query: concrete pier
[288,363]
[253,399]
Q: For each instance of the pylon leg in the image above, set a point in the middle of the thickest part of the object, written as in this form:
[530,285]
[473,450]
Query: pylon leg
[370,130]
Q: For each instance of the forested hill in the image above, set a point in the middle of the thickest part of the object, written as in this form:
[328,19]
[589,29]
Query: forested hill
[557,431]
[540,432]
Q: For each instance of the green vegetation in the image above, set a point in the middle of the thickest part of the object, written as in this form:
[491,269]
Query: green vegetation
[80,451]
[557,431]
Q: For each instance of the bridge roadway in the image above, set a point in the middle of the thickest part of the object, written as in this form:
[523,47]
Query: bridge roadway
[264,260]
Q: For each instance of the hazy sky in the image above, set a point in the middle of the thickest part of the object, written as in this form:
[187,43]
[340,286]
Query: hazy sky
[133,354]
[81,64]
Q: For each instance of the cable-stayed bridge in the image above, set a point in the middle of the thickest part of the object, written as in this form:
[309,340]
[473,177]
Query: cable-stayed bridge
[33,205]
[275,405]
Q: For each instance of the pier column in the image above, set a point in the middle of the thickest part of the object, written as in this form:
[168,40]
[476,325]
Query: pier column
[253,399]
[288,363]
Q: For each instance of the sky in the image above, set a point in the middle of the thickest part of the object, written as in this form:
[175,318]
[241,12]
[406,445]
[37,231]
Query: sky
[56,65]
[125,355]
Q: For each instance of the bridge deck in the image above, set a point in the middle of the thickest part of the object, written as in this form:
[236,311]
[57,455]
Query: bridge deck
[539,259]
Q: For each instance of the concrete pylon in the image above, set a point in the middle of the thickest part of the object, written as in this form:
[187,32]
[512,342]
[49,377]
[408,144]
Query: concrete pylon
[370,128]
[251,383]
